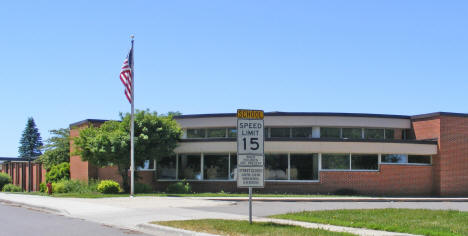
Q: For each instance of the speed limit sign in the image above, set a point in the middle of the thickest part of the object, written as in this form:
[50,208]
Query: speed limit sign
[249,136]
[250,158]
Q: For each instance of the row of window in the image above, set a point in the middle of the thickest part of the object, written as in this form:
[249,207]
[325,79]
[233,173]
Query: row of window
[277,166]
[302,132]
[357,133]
[369,161]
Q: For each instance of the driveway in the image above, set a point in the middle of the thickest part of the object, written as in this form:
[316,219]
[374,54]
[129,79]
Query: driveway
[22,221]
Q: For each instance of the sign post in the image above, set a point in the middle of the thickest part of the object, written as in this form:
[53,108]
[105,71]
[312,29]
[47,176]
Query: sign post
[250,152]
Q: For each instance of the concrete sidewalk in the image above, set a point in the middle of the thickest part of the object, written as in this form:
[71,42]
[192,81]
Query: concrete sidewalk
[135,213]
[337,199]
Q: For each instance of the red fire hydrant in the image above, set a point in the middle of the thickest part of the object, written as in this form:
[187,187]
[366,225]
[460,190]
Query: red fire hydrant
[49,188]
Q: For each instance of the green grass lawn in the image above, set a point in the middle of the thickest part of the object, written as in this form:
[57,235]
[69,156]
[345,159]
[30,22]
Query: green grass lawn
[237,228]
[100,195]
[414,221]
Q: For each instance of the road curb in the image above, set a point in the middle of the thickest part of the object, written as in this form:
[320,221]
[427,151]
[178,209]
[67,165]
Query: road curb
[342,199]
[166,230]
[36,207]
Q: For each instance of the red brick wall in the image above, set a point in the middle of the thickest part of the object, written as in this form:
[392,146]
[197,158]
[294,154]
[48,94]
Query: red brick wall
[450,165]
[454,153]
[43,175]
[391,180]
[430,129]
[427,128]
[16,170]
[145,177]
[109,172]
[80,170]
[409,180]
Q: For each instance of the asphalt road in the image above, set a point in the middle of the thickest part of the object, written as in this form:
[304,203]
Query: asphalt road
[270,208]
[21,221]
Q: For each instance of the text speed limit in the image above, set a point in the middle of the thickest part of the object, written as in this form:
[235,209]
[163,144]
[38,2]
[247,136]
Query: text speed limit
[250,136]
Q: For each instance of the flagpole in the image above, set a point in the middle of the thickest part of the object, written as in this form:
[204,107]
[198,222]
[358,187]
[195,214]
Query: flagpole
[132,130]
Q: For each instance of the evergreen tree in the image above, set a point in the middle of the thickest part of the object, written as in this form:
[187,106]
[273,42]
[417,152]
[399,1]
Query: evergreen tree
[31,141]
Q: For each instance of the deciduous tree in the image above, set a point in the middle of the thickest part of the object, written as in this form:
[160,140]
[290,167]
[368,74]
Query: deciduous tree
[57,148]
[155,137]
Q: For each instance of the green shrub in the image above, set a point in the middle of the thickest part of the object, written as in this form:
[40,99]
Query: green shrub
[43,188]
[92,185]
[58,187]
[11,188]
[143,188]
[179,187]
[58,172]
[4,179]
[108,186]
[70,186]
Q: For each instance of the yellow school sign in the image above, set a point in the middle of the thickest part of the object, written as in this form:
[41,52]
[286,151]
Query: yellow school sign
[250,114]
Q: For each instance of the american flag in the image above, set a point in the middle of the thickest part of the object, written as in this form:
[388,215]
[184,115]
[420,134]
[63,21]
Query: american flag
[126,75]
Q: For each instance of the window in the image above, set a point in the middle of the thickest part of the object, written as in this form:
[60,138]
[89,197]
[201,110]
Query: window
[303,132]
[389,134]
[166,168]
[266,133]
[335,161]
[419,159]
[279,132]
[189,167]
[405,159]
[329,132]
[304,167]
[233,164]
[232,133]
[216,133]
[394,158]
[276,166]
[195,133]
[147,165]
[364,161]
[352,133]
[215,166]
[375,133]
[409,134]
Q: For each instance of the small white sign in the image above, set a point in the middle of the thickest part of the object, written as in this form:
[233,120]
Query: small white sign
[250,177]
[250,160]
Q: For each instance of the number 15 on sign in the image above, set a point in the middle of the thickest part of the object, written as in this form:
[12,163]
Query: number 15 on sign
[250,136]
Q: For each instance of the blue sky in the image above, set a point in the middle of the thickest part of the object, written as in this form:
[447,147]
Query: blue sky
[61,59]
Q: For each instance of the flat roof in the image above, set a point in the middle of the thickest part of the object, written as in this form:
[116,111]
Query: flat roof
[440,113]
[278,113]
[87,121]
[15,159]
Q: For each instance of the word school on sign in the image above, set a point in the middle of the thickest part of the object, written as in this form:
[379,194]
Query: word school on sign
[250,114]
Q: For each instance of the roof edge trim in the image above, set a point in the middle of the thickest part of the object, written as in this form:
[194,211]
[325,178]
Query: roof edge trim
[87,121]
[297,114]
[440,113]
